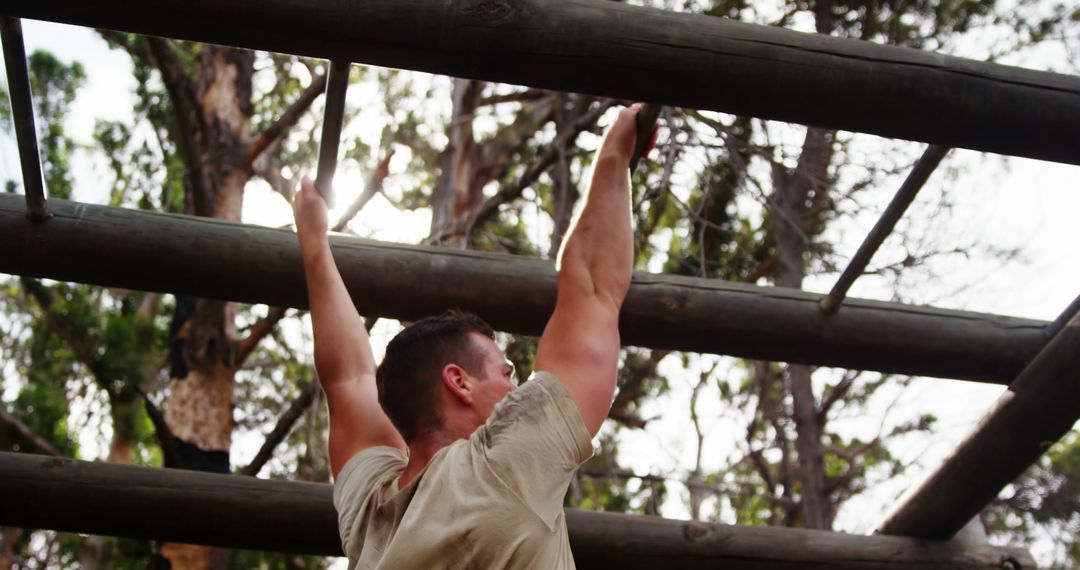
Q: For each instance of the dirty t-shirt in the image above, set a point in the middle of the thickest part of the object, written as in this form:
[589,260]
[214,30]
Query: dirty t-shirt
[491,501]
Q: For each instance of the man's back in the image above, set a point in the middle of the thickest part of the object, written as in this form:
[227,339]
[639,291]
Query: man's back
[491,501]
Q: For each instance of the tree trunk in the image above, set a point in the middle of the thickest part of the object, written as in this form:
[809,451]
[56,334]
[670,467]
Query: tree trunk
[9,540]
[794,193]
[467,166]
[566,190]
[449,199]
[199,406]
[124,410]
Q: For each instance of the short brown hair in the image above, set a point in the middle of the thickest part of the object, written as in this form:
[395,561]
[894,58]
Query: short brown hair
[408,378]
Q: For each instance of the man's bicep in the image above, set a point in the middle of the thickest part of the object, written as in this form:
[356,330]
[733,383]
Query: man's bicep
[580,345]
[357,421]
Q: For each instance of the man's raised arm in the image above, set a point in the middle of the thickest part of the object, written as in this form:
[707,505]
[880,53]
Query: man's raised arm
[581,344]
[343,355]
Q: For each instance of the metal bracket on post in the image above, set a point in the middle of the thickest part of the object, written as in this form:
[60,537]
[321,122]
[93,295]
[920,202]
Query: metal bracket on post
[337,84]
[22,111]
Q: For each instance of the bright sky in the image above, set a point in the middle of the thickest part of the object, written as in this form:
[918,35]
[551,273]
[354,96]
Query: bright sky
[1019,203]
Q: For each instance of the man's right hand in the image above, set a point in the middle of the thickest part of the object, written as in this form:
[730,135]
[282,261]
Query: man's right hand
[343,354]
[622,134]
[309,211]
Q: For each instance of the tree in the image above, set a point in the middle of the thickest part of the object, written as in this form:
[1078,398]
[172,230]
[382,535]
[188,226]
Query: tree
[498,169]
[1044,505]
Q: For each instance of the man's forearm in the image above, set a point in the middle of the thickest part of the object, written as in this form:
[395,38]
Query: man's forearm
[342,348]
[599,250]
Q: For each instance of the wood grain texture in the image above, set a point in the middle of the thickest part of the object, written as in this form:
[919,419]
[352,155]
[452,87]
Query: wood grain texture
[1038,409]
[630,52]
[185,255]
[242,512]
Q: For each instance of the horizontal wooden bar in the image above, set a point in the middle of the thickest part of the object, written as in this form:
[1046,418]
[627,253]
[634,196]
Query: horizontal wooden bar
[631,52]
[243,512]
[22,114]
[1039,408]
[204,257]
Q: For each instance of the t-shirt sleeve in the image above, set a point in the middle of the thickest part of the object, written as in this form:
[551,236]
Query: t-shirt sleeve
[533,442]
[364,473]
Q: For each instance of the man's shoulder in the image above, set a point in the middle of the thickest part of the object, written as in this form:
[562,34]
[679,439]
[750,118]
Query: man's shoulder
[367,469]
[544,398]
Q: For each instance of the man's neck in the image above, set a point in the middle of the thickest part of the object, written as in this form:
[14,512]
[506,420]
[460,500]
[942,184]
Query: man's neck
[421,451]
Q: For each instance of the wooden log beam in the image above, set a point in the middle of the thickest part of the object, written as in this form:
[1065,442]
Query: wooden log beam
[1040,407]
[22,113]
[920,173]
[242,512]
[337,86]
[630,52]
[203,257]
[1066,315]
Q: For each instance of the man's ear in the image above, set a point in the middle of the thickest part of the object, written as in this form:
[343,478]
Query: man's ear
[458,382]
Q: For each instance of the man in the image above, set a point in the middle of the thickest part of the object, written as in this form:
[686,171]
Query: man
[438,461]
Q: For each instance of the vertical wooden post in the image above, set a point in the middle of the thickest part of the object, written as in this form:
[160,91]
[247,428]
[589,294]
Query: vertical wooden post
[22,111]
[337,85]
[921,172]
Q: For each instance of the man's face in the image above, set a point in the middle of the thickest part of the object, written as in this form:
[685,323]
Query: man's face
[496,377]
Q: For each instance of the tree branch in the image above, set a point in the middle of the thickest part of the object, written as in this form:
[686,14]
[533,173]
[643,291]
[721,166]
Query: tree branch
[374,186]
[515,97]
[82,352]
[259,331]
[762,467]
[182,94]
[838,484]
[766,267]
[288,420]
[275,130]
[837,393]
[511,191]
[623,474]
[633,388]
[284,425]
[566,193]
[166,440]
[627,419]
[755,457]
[268,167]
[24,430]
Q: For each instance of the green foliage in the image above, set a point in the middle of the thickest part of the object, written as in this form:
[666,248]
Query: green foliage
[253,560]
[42,403]
[5,111]
[76,343]
[144,158]
[913,23]
[271,380]
[601,485]
[521,351]
[719,242]
[505,235]
[1043,504]
[53,85]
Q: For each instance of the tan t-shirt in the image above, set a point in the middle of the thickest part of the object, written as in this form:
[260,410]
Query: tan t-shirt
[491,501]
